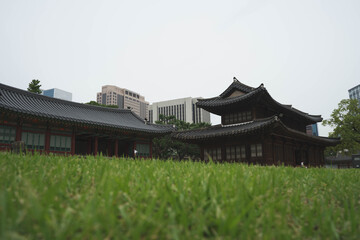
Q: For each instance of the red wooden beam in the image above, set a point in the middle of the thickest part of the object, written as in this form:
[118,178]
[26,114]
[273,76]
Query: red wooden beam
[73,143]
[116,150]
[18,132]
[47,140]
[150,149]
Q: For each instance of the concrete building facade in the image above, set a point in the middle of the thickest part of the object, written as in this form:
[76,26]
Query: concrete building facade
[124,99]
[354,93]
[58,93]
[184,109]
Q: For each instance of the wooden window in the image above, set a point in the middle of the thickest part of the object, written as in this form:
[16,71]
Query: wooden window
[143,149]
[235,153]
[232,154]
[7,134]
[60,143]
[33,140]
[256,150]
[218,153]
[206,154]
[239,117]
[248,116]
[243,153]
[226,119]
[228,153]
[213,153]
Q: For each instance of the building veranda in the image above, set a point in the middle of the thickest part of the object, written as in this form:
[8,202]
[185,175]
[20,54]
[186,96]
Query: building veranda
[53,125]
[256,129]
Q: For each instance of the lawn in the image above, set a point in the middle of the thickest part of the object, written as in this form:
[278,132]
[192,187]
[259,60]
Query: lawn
[56,197]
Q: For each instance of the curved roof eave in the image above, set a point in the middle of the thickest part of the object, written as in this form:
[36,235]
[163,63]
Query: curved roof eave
[226,130]
[320,140]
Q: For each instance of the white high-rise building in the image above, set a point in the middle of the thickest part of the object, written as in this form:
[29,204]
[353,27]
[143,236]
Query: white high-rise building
[58,93]
[184,109]
[354,93]
[124,99]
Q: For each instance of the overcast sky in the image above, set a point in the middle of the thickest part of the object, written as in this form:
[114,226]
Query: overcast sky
[307,53]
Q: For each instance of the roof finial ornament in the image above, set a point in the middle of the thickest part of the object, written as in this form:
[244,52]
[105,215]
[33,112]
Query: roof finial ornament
[235,80]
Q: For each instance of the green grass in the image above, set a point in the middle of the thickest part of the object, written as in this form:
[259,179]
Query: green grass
[55,197]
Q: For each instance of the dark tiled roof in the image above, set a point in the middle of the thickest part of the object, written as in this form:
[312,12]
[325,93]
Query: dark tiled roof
[52,109]
[250,128]
[228,130]
[221,102]
[217,104]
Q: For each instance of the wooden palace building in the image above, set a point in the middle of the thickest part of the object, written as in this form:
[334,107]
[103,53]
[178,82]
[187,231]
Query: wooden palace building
[257,129]
[53,125]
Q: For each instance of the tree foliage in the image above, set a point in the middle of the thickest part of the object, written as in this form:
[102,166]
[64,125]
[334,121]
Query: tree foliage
[165,147]
[346,123]
[34,86]
[101,105]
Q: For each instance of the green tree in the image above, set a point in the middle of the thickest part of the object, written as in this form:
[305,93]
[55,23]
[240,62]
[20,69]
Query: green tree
[165,147]
[34,86]
[346,123]
[101,105]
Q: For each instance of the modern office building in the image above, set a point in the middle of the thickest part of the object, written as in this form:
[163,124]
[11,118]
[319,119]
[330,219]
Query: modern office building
[354,93]
[312,130]
[58,93]
[184,109]
[124,99]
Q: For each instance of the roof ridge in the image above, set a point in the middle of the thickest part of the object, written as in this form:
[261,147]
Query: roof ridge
[236,84]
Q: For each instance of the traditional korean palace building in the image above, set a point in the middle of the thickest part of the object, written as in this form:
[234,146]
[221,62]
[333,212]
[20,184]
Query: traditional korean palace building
[257,129]
[53,125]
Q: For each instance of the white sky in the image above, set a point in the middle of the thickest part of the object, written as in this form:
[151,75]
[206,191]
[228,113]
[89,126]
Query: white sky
[307,53]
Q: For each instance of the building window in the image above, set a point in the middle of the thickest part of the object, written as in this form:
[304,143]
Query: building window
[237,117]
[212,153]
[60,143]
[33,140]
[143,150]
[235,153]
[7,134]
[256,150]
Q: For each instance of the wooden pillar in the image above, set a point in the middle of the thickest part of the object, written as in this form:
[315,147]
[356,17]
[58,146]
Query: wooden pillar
[96,142]
[18,131]
[150,145]
[73,142]
[273,151]
[134,148]
[116,148]
[321,150]
[47,140]
[283,150]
